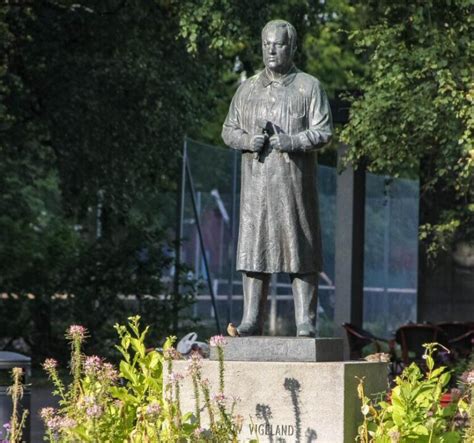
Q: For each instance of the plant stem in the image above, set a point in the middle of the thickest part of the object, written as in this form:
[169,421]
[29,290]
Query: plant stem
[197,406]
[16,392]
[220,353]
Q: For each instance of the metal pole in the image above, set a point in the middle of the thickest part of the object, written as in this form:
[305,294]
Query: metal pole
[179,232]
[386,244]
[197,249]
[221,247]
[197,253]
[201,240]
[230,295]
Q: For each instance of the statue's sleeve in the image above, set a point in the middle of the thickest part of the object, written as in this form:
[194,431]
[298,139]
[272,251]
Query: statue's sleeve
[319,133]
[232,133]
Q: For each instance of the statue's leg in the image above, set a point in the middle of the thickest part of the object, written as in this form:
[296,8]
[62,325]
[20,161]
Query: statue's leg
[255,286]
[305,295]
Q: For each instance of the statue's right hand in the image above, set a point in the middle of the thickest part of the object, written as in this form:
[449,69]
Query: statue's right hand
[257,142]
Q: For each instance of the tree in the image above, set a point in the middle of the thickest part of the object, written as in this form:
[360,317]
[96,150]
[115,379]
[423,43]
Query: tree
[229,29]
[96,99]
[415,116]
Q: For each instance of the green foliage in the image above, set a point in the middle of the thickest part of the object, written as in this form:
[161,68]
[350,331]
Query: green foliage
[143,405]
[143,371]
[469,437]
[329,53]
[416,115]
[414,411]
[228,29]
[95,101]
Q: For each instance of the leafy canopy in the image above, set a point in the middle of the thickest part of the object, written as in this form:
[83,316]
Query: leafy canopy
[416,114]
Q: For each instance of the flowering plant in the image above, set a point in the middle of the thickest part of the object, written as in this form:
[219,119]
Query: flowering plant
[133,403]
[12,432]
[5,433]
[414,411]
[467,388]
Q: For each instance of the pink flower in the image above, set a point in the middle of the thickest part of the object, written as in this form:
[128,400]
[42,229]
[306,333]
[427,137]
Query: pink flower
[176,377]
[194,364]
[119,403]
[109,373]
[218,341]
[198,432]
[172,354]
[50,364]
[92,364]
[94,411]
[219,398]
[153,409]
[468,377]
[76,332]
[54,424]
[205,383]
[47,413]
[196,357]
[68,423]
[88,400]
[394,436]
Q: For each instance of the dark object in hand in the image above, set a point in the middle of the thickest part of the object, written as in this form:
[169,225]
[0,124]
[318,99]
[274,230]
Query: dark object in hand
[268,129]
[266,126]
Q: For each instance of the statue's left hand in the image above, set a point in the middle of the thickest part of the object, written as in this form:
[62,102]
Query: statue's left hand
[281,142]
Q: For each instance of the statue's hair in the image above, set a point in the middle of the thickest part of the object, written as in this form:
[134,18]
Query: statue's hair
[290,30]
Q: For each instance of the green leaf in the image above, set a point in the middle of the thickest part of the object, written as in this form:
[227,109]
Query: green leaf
[138,346]
[127,371]
[420,430]
[444,379]
[451,437]
[438,371]
[122,394]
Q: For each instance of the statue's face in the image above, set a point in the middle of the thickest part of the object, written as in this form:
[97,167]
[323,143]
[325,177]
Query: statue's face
[277,50]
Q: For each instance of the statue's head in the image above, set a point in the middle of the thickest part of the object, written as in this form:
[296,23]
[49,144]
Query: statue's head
[278,45]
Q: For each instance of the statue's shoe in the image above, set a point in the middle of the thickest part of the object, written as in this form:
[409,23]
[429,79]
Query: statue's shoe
[305,330]
[246,329]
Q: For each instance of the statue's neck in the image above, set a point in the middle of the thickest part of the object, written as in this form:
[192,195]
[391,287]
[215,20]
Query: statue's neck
[274,75]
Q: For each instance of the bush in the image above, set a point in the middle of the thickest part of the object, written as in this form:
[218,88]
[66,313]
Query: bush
[134,404]
[413,410]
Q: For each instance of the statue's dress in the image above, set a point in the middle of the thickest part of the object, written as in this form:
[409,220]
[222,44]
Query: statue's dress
[279,217]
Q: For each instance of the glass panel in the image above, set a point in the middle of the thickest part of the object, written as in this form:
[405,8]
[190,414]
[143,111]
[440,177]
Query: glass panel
[391,253]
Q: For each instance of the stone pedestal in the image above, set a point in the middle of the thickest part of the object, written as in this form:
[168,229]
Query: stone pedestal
[282,349]
[293,401]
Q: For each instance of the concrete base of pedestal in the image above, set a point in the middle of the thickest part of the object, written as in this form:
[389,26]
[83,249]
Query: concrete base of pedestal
[285,349]
[293,401]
